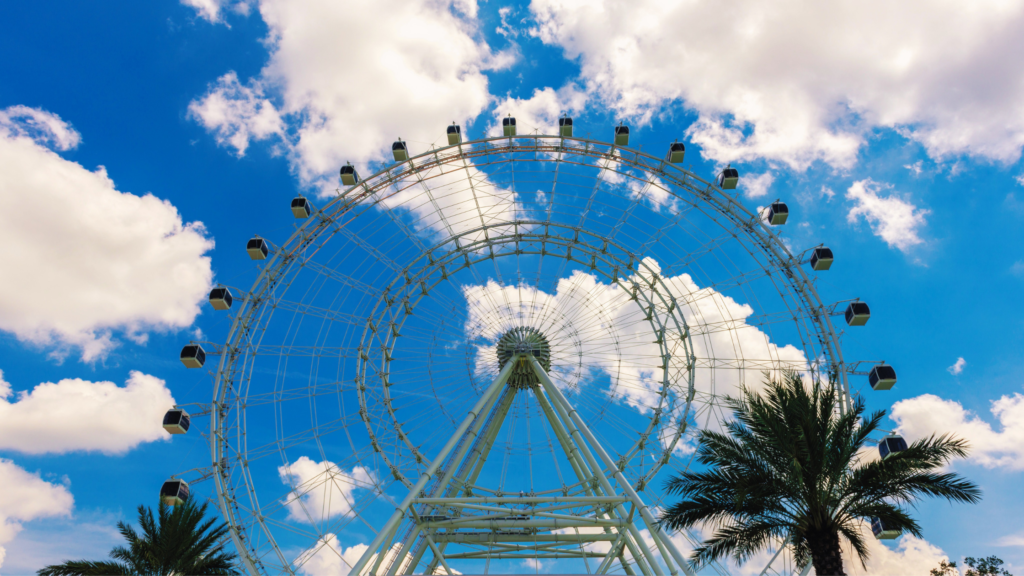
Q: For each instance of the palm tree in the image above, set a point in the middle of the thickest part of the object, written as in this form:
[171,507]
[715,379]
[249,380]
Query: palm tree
[179,541]
[789,468]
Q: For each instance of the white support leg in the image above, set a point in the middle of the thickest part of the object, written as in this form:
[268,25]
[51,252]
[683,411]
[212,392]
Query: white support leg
[396,517]
[652,524]
[449,473]
[579,465]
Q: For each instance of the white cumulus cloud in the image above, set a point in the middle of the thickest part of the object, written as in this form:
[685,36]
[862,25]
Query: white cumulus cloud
[928,414]
[541,111]
[88,258]
[911,555]
[803,81]
[350,78]
[729,351]
[321,489]
[75,414]
[957,366]
[756,186]
[26,496]
[236,114]
[327,556]
[891,218]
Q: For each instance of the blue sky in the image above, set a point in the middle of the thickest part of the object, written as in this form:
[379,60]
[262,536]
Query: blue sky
[895,135]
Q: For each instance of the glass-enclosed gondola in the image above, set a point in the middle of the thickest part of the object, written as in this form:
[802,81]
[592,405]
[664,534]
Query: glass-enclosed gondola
[565,127]
[622,135]
[778,213]
[508,125]
[176,421]
[257,248]
[857,313]
[220,298]
[349,177]
[454,134]
[890,445]
[174,492]
[821,258]
[728,179]
[301,208]
[882,531]
[400,150]
[882,377]
[676,152]
[193,356]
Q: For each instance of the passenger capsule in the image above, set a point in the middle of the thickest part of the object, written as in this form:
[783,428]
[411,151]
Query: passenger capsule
[882,377]
[622,135]
[890,445]
[220,298]
[257,248]
[400,150]
[454,134]
[565,127]
[857,313]
[728,179]
[508,125]
[821,259]
[176,421]
[778,213]
[301,208]
[348,175]
[174,492]
[193,356]
[881,531]
[676,152]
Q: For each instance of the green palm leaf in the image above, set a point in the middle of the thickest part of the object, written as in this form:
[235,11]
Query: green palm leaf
[788,467]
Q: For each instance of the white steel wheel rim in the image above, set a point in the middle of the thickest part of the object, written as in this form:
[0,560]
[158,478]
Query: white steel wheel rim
[254,529]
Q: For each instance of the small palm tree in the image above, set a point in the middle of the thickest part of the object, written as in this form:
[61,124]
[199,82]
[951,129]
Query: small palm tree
[788,468]
[179,542]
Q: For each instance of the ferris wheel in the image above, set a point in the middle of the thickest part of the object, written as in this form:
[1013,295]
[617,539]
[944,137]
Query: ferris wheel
[488,357]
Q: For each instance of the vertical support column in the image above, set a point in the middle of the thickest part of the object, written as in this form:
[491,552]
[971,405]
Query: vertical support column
[480,446]
[652,524]
[396,517]
[605,485]
[579,465]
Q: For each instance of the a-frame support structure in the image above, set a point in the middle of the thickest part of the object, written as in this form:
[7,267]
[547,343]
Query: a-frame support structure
[438,514]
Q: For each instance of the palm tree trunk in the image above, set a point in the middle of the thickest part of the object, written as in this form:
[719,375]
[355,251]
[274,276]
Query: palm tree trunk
[825,553]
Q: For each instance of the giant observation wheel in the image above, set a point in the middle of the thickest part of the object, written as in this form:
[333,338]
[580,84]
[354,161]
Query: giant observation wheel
[488,357]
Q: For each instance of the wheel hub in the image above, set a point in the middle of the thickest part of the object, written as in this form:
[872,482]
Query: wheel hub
[524,340]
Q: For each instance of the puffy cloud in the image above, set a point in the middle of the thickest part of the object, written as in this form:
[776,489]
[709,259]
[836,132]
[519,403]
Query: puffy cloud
[756,186]
[322,489]
[213,10]
[351,77]
[618,341]
[76,414]
[802,81]
[911,555]
[236,114]
[41,126]
[541,111]
[26,496]
[891,218]
[957,366]
[457,201]
[88,258]
[928,414]
[327,557]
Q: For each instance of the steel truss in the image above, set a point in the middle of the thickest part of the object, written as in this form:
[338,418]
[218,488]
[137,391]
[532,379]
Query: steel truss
[521,526]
